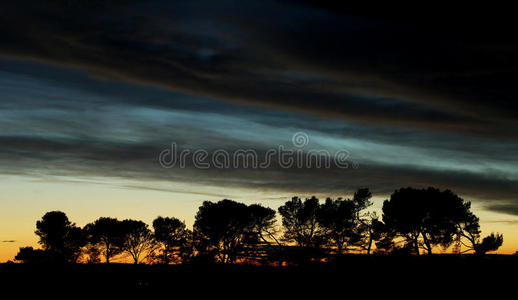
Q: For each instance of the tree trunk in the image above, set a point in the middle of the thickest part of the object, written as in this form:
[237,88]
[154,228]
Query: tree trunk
[166,255]
[416,246]
[427,244]
[107,253]
[370,245]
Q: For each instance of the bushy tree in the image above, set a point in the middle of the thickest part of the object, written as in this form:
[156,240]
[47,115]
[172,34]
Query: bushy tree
[362,200]
[300,221]
[108,235]
[382,236]
[221,228]
[60,236]
[173,238]
[263,223]
[469,235]
[227,228]
[424,217]
[138,239]
[29,255]
[490,243]
[338,223]
[366,229]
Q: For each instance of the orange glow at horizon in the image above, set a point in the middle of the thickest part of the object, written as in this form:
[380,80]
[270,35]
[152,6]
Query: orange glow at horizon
[25,200]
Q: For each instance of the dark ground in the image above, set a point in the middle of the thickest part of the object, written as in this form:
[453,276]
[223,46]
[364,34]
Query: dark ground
[360,275]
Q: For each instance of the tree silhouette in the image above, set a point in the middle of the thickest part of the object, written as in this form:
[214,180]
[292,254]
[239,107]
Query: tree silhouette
[469,229]
[300,221]
[261,238]
[232,232]
[222,228]
[490,243]
[93,254]
[263,223]
[60,236]
[108,234]
[337,219]
[382,236]
[361,200]
[228,228]
[365,229]
[30,255]
[173,237]
[138,239]
[424,217]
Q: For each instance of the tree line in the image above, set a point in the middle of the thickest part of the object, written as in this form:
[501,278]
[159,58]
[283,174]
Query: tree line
[413,221]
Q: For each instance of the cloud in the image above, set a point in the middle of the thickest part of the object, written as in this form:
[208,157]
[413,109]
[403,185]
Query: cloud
[506,208]
[361,67]
[139,161]
[418,103]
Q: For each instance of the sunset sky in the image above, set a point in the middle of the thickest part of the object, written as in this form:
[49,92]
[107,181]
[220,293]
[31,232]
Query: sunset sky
[91,94]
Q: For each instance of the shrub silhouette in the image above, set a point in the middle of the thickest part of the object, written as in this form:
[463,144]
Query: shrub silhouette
[29,255]
[490,243]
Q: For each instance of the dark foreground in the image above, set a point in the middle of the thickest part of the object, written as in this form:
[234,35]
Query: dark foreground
[441,275]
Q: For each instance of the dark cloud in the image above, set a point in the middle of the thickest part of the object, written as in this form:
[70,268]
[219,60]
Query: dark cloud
[139,161]
[414,71]
[508,208]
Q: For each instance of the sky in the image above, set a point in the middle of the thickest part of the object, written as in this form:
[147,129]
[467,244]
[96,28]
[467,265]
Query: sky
[92,92]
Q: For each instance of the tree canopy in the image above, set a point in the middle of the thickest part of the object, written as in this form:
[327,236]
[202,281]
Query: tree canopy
[108,235]
[137,239]
[300,221]
[426,218]
[60,236]
[173,238]
[228,228]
